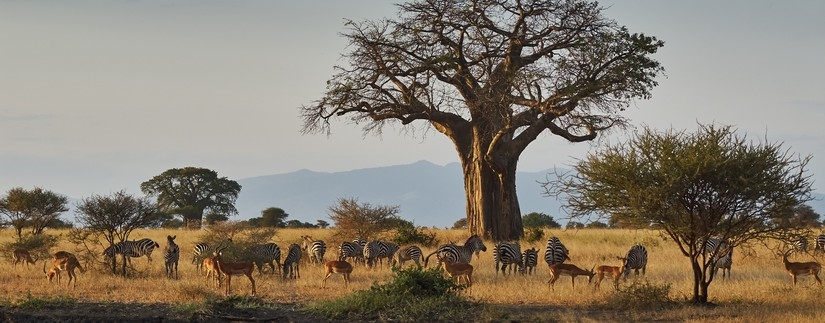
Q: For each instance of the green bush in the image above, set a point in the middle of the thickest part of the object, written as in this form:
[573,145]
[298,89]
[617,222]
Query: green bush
[414,294]
[409,234]
[534,234]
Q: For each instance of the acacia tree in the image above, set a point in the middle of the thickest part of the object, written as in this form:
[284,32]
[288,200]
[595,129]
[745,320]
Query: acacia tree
[36,208]
[491,76]
[191,191]
[694,186]
[115,217]
[364,221]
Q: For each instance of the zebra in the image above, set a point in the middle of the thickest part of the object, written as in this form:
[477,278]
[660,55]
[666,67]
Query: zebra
[292,261]
[508,254]
[800,244]
[635,259]
[202,250]
[315,248]
[819,244]
[377,250]
[531,258]
[265,254]
[455,253]
[724,261]
[132,249]
[171,255]
[409,253]
[556,252]
[352,250]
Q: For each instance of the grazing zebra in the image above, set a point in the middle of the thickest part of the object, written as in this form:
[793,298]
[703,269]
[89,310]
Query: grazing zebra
[508,254]
[531,259]
[800,244]
[377,250]
[352,250]
[292,261]
[555,252]
[315,248]
[455,253]
[132,249]
[171,254]
[635,259]
[265,254]
[819,244]
[409,253]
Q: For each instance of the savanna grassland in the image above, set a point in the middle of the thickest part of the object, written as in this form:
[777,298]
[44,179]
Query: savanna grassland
[759,289]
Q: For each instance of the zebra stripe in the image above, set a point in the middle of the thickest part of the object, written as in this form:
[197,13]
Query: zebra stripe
[352,250]
[454,253]
[409,253]
[132,249]
[315,248]
[724,261]
[291,266]
[171,255]
[635,259]
[202,250]
[531,258]
[820,243]
[508,254]
[555,252]
[265,254]
[378,250]
[800,244]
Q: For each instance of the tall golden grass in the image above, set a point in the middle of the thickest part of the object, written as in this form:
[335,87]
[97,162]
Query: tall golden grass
[759,289]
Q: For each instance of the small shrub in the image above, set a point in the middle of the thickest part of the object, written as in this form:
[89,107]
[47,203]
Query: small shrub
[409,234]
[642,296]
[412,295]
[534,235]
[38,245]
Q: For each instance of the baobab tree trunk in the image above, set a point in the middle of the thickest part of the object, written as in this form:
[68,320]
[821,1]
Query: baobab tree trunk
[492,205]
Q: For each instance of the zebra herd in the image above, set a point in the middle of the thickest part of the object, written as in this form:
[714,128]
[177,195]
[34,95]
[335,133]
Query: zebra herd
[508,257]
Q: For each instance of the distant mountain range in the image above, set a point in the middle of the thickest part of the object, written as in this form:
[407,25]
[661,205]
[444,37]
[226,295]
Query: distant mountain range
[426,193]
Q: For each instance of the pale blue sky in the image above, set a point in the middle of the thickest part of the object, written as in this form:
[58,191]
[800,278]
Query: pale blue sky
[99,96]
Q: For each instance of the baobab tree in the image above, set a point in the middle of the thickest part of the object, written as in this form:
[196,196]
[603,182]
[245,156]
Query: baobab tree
[491,76]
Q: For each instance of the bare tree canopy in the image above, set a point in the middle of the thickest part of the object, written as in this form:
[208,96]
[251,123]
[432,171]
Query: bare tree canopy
[712,184]
[491,76]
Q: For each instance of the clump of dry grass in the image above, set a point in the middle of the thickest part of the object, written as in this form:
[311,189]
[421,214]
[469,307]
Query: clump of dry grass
[758,290]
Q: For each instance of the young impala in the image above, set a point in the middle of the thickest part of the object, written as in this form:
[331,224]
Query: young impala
[337,267]
[802,268]
[614,272]
[22,256]
[228,269]
[556,270]
[457,270]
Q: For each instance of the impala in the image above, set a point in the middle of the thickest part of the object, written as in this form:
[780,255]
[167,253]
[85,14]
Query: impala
[457,270]
[228,269]
[337,267]
[802,268]
[211,270]
[22,256]
[63,254]
[68,265]
[614,272]
[556,270]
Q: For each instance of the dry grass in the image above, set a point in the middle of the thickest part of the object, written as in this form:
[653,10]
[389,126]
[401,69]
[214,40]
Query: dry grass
[760,290]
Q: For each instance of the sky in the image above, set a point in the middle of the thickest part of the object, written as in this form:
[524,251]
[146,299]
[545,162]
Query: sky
[100,96]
